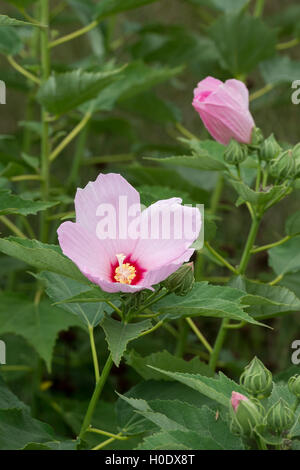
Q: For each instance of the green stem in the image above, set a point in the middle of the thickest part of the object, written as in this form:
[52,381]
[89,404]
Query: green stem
[75,34]
[287,45]
[259,8]
[263,91]
[220,258]
[241,270]
[271,245]
[216,196]
[108,434]
[12,226]
[97,392]
[45,145]
[23,71]
[182,337]
[249,245]
[78,157]
[199,335]
[77,129]
[94,353]
[218,344]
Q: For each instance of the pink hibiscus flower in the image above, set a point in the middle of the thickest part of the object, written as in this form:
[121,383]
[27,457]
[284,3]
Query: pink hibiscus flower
[118,246]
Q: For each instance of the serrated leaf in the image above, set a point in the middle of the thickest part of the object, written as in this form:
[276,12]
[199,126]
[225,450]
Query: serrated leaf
[256,197]
[199,163]
[219,389]
[285,259]
[41,256]
[60,288]
[205,300]
[164,360]
[38,324]
[10,42]
[242,41]
[13,204]
[280,69]
[292,226]
[119,334]
[66,91]
[7,21]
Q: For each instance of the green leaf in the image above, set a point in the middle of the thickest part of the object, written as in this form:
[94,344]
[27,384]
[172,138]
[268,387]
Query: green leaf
[285,259]
[66,91]
[60,288]
[267,301]
[227,6]
[136,78]
[38,324]
[255,197]
[205,300]
[132,423]
[7,21]
[119,334]
[242,41]
[8,400]
[164,360]
[41,256]
[17,429]
[219,389]
[21,3]
[10,42]
[200,163]
[111,7]
[194,427]
[280,69]
[292,226]
[13,204]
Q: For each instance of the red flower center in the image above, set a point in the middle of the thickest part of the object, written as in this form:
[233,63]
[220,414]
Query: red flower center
[124,271]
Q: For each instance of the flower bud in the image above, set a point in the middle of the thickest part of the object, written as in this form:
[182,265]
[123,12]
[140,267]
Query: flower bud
[269,149]
[294,385]
[296,153]
[181,282]
[280,417]
[284,166]
[257,379]
[235,153]
[245,415]
[257,137]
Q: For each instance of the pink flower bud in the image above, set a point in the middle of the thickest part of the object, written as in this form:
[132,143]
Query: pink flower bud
[224,109]
[236,398]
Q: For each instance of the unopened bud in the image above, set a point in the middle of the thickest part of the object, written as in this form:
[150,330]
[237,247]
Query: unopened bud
[284,166]
[235,153]
[269,149]
[257,379]
[280,417]
[181,282]
[257,137]
[294,385]
[245,415]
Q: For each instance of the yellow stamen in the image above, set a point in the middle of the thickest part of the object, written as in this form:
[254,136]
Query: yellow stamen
[124,273]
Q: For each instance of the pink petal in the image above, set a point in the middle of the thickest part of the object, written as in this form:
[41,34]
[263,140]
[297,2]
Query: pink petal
[84,249]
[110,196]
[209,85]
[236,398]
[156,276]
[165,237]
[238,91]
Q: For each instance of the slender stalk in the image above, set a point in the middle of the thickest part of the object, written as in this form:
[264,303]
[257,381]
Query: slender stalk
[185,131]
[108,441]
[155,327]
[76,163]
[259,8]
[108,434]
[71,136]
[287,45]
[23,71]
[199,335]
[45,144]
[216,196]
[94,353]
[276,280]
[271,245]
[241,270]
[9,224]
[182,337]
[250,242]
[26,178]
[75,34]
[97,392]
[220,258]
[263,91]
